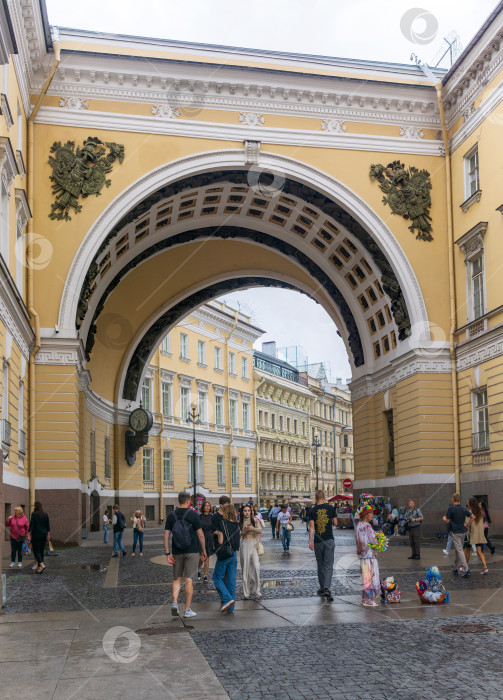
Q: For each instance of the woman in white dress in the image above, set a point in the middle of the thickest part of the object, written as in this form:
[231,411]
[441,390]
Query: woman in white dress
[248,555]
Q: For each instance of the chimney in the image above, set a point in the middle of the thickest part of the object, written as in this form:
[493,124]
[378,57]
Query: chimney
[269,348]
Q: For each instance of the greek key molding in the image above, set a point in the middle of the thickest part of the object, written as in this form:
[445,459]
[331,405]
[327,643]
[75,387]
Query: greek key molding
[60,351]
[481,349]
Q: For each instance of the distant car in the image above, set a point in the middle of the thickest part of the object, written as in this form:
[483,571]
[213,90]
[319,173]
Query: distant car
[264,512]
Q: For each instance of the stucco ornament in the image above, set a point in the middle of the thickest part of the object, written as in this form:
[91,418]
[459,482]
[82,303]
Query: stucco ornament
[251,119]
[80,172]
[407,192]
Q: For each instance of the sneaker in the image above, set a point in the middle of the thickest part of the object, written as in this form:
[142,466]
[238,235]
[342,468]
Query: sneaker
[113,556]
[328,595]
[205,579]
[124,552]
[19,565]
[226,606]
[35,566]
[320,591]
[199,574]
[12,565]
[412,556]
[484,571]
[174,609]
[454,571]
[141,554]
[189,613]
[132,554]
[445,552]
[466,574]
[462,569]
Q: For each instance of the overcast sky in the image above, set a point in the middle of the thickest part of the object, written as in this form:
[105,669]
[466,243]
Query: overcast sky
[381,31]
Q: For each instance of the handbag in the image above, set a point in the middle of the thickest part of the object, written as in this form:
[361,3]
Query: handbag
[26,548]
[260,548]
[224,551]
[139,526]
[290,527]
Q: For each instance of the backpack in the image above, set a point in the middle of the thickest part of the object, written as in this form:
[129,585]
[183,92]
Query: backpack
[181,532]
[121,520]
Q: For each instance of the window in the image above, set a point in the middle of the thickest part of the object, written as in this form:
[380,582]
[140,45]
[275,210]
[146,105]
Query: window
[346,440]
[343,466]
[234,471]
[167,466]
[324,410]
[303,427]
[233,407]
[199,468]
[92,450]
[203,406]
[330,438]
[149,512]
[295,426]
[288,424]
[166,345]
[273,421]
[480,420]
[166,398]
[4,225]
[184,346]
[184,402]
[260,417]
[246,416]
[146,393]
[218,358]
[472,172]
[248,479]
[325,438]
[281,424]
[477,287]
[219,418]
[232,363]
[201,352]
[331,464]
[148,474]
[244,367]
[108,467]
[220,470]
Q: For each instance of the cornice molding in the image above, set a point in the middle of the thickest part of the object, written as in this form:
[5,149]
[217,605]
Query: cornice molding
[147,124]
[475,117]
[61,351]
[478,350]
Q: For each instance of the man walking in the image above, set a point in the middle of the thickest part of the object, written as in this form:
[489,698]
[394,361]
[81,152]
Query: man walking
[119,525]
[187,542]
[284,519]
[457,515]
[321,538]
[414,518]
[273,518]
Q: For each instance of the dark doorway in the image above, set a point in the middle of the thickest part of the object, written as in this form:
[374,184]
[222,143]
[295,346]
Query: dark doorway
[95,512]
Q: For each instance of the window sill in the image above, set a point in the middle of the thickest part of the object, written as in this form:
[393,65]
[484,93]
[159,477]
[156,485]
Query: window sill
[202,364]
[184,359]
[166,353]
[245,379]
[475,197]
[219,369]
[233,374]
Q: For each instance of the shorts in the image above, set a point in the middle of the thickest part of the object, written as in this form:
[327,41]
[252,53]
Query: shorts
[185,565]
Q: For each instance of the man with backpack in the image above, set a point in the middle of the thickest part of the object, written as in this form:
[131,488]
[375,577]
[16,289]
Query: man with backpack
[187,547]
[119,525]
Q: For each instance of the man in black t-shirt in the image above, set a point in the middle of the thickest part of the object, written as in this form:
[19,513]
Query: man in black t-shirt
[457,516]
[321,539]
[185,560]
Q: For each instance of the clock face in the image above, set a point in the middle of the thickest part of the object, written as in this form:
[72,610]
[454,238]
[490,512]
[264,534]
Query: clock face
[138,420]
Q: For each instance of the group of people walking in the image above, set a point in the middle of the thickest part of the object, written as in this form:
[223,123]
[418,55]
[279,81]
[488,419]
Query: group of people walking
[34,534]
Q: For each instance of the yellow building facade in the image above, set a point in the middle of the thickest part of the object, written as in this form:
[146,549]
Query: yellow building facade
[374,188]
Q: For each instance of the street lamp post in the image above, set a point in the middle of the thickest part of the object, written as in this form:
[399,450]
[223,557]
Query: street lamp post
[193,417]
[316,444]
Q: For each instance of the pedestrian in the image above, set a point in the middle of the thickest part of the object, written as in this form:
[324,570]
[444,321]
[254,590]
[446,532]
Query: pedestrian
[250,530]
[18,525]
[457,515]
[273,518]
[365,536]
[106,525]
[487,521]
[139,522]
[227,541]
[414,518]
[322,519]
[214,510]
[257,515]
[284,521]
[476,534]
[206,518]
[40,534]
[119,525]
[187,547]
[394,520]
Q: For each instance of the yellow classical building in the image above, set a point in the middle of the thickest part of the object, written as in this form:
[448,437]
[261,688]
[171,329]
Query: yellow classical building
[374,188]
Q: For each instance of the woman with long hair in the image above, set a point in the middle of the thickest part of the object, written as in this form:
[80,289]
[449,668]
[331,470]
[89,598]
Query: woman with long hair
[476,533]
[224,574]
[139,522]
[250,564]
[40,534]
[206,517]
[18,525]
[487,522]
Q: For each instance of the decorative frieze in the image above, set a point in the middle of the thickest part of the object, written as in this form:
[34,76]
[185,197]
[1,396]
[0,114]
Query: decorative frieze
[333,126]
[411,132]
[73,103]
[472,242]
[252,119]
[165,111]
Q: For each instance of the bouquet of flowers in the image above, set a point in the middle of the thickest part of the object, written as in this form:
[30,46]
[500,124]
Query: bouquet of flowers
[382,542]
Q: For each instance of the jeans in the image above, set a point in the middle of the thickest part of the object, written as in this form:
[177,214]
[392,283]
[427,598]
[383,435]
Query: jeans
[137,535]
[224,578]
[449,543]
[105,535]
[118,541]
[285,538]
[273,527]
[16,548]
[324,552]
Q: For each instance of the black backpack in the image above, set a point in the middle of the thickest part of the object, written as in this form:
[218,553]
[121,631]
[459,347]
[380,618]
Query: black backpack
[121,520]
[181,532]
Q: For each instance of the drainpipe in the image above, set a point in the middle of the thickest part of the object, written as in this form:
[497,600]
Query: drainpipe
[227,338]
[161,475]
[452,282]
[29,287]
[335,448]
[255,393]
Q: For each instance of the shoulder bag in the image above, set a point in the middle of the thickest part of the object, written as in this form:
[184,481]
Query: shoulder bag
[224,551]
[260,548]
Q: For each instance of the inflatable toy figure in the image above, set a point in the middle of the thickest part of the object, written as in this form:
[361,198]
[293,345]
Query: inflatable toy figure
[432,590]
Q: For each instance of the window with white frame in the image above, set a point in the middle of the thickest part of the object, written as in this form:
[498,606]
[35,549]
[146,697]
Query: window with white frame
[166,398]
[219,413]
[167,466]
[201,352]
[92,449]
[273,421]
[477,286]
[246,416]
[248,479]
[218,358]
[480,420]
[288,424]
[202,406]
[244,367]
[280,424]
[5,391]
[471,164]
[146,394]
[148,472]
[199,468]
[343,466]
[4,224]
[234,471]
[184,346]
[20,410]
[108,465]
[233,410]
[232,363]
[166,344]
[220,470]
[184,402]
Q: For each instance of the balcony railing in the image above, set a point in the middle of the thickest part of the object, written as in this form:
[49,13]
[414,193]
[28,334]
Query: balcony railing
[6,432]
[278,369]
[22,442]
[480,441]
[148,485]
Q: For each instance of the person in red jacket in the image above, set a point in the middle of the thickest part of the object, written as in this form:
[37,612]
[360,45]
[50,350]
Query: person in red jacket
[18,524]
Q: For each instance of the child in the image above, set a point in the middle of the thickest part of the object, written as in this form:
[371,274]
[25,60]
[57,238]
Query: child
[365,536]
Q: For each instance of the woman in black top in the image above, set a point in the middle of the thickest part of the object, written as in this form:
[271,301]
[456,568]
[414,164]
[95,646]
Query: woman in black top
[40,534]
[205,517]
